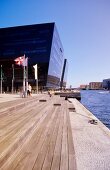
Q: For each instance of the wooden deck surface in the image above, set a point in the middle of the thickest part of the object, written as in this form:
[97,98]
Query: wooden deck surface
[37,135]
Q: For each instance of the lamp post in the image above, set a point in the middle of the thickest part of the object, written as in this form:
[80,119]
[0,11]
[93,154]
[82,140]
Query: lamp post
[13,78]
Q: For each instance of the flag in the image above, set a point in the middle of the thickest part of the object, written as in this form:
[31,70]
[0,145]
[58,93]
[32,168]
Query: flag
[35,67]
[25,62]
[19,61]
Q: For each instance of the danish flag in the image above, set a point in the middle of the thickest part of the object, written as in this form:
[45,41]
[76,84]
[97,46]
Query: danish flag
[20,60]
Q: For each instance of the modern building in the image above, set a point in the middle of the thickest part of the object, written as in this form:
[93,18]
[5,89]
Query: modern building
[42,45]
[95,85]
[106,84]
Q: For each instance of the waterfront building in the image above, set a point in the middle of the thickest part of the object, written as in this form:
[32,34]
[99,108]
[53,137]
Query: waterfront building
[106,84]
[42,45]
[95,85]
[83,86]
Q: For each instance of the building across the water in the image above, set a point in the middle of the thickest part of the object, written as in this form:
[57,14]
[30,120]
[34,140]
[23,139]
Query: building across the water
[95,85]
[84,87]
[42,45]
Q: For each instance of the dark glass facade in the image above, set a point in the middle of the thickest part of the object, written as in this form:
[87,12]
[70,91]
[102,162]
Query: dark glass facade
[64,74]
[41,44]
[106,84]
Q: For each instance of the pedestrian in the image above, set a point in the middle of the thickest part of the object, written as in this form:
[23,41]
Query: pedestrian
[49,93]
[29,90]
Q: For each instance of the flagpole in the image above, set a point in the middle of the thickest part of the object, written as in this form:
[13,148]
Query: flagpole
[37,85]
[26,74]
[36,70]
[1,79]
[13,78]
[37,80]
[24,92]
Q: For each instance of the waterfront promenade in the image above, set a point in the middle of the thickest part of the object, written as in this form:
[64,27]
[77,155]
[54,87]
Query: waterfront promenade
[42,132]
[11,97]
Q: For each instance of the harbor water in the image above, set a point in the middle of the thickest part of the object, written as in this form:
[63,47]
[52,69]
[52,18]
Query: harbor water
[98,102]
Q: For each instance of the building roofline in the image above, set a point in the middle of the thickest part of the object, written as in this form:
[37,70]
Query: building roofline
[17,26]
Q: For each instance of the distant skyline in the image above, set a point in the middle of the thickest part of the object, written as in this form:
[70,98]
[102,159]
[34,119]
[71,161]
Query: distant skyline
[83,26]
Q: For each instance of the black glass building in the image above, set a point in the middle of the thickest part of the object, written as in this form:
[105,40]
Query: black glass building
[106,84]
[41,44]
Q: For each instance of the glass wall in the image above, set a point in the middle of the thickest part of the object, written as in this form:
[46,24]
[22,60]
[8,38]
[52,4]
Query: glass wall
[56,61]
[32,40]
[106,84]
[41,44]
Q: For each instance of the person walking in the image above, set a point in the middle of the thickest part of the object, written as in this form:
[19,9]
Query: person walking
[29,90]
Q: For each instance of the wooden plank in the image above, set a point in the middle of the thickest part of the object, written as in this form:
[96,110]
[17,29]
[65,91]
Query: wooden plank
[19,138]
[64,149]
[11,121]
[9,104]
[28,153]
[34,149]
[42,154]
[49,156]
[57,152]
[10,128]
[38,137]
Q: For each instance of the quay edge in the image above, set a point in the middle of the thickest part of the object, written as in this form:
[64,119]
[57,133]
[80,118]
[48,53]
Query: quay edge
[91,141]
[67,95]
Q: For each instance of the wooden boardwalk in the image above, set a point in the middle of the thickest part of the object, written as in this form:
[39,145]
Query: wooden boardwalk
[36,135]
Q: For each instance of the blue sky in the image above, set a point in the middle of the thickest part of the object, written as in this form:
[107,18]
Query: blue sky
[83,26]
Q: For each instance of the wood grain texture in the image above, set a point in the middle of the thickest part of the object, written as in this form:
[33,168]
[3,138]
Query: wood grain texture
[36,135]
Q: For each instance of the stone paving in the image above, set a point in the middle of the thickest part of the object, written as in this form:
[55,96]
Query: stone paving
[91,141]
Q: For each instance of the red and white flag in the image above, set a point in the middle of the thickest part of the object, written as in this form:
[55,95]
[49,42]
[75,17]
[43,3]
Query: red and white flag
[20,60]
[25,62]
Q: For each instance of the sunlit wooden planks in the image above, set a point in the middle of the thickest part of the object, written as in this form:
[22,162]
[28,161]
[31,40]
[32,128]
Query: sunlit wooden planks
[39,138]
[13,141]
